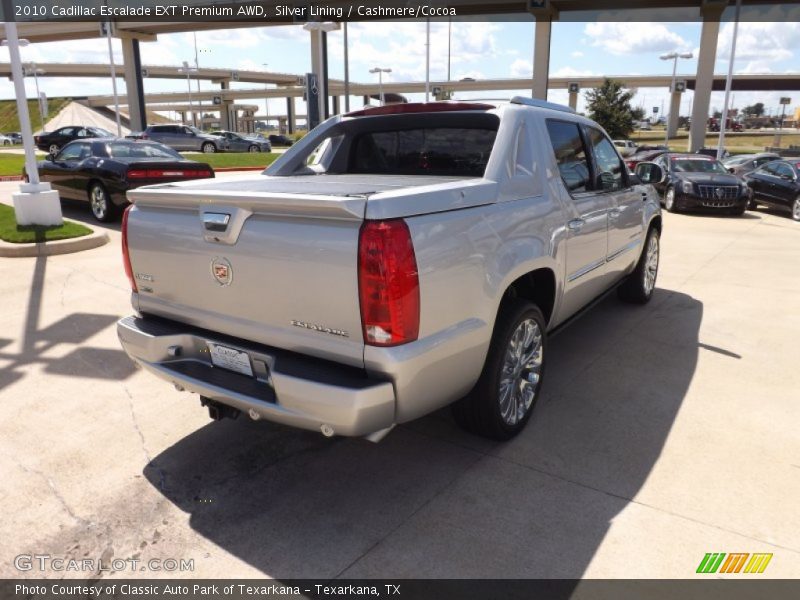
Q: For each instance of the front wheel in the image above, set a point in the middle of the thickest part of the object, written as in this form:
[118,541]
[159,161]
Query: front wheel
[796,209]
[254,148]
[103,209]
[208,148]
[500,404]
[669,200]
[53,149]
[638,287]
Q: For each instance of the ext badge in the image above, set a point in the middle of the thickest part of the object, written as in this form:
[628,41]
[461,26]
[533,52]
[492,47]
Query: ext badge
[222,271]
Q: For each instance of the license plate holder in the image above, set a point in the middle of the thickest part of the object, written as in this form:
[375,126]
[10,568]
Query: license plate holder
[230,359]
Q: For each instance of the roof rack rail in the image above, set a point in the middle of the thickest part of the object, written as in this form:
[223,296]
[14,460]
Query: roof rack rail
[540,104]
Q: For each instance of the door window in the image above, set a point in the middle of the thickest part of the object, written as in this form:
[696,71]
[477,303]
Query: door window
[570,153]
[609,165]
[771,169]
[72,152]
[784,171]
[67,131]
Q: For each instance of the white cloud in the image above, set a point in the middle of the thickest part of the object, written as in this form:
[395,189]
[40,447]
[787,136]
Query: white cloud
[521,68]
[577,54]
[759,45]
[570,72]
[634,38]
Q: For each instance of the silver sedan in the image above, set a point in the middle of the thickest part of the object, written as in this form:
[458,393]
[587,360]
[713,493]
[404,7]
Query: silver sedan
[244,143]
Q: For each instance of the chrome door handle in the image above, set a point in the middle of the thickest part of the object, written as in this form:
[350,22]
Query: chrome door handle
[576,224]
[216,221]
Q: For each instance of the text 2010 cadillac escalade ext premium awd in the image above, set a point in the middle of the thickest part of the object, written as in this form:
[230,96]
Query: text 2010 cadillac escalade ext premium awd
[395,260]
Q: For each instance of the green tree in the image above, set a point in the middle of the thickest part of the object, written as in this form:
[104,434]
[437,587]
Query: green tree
[755,110]
[610,105]
[638,114]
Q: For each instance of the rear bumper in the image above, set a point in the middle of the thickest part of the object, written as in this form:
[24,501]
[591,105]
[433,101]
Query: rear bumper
[286,388]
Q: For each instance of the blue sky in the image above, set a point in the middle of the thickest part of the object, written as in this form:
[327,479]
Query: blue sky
[480,49]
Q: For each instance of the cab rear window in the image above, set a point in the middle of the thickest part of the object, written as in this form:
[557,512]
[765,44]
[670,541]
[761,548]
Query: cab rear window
[455,151]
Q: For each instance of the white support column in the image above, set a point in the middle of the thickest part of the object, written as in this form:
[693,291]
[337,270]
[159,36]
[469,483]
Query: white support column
[705,75]
[674,113]
[35,203]
[541,55]
[134,86]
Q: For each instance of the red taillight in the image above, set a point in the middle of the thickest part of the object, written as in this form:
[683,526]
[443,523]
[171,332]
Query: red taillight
[126,257]
[388,284]
[137,174]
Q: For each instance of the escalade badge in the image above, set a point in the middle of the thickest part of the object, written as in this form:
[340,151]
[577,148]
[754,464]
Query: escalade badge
[222,271]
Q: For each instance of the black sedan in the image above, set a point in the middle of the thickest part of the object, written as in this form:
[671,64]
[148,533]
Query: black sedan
[280,140]
[777,184]
[696,181]
[54,141]
[102,170]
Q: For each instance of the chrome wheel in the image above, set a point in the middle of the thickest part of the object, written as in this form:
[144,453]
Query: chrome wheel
[209,148]
[53,148]
[796,209]
[253,149]
[521,371]
[99,202]
[651,265]
[669,199]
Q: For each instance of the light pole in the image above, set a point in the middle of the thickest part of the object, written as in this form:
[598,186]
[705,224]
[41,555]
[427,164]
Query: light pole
[673,56]
[380,73]
[728,82]
[266,99]
[197,69]
[35,203]
[320,28]
[189,70]
[32,70]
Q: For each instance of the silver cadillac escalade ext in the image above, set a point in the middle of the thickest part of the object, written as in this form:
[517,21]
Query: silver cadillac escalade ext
[396,260]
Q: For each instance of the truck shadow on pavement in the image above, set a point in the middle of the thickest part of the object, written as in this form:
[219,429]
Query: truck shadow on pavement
[432,501]
[72,330]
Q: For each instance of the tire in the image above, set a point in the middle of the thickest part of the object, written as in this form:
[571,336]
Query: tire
[486,411]
[669,200]
[103,209]
[796,209]
[254,148]
[738,211]
[752,205]
[638,287]
[53,148]
[208,148]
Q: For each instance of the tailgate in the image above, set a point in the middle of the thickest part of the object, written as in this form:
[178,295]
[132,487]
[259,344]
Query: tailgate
[275,268]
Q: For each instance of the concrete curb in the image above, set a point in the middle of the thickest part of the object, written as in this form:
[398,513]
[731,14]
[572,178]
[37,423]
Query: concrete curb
[87,242]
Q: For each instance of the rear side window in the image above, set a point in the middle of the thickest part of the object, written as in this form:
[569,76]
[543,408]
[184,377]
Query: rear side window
[570,154]
[609,165]
[453,151]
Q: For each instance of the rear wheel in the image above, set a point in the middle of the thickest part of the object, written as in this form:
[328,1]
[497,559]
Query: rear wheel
[53,149]
[254,148]
[638,287]
[796,209]
[208,148]
[500,404]
[103,209]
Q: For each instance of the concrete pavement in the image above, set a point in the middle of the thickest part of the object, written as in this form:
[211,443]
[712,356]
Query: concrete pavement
[663,432]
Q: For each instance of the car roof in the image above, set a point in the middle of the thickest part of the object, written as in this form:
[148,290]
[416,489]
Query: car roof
[687,155]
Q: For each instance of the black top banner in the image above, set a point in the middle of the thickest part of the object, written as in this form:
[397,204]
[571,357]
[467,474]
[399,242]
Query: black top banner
[298,11]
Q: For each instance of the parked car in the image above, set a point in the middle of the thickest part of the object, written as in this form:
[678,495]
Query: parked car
[744,163]
[182,137]
[644,125]
[103,170]
[278,139]
[15,137]
[776,184]
[54,141]
[643,156]
[368,283]
[625,147]
[712,152]
[5,140]
[243,143]
[695,181]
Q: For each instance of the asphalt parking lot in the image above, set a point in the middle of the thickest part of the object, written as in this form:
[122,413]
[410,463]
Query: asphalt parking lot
[664,432]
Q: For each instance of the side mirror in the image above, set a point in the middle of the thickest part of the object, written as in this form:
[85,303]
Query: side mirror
[648,172]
